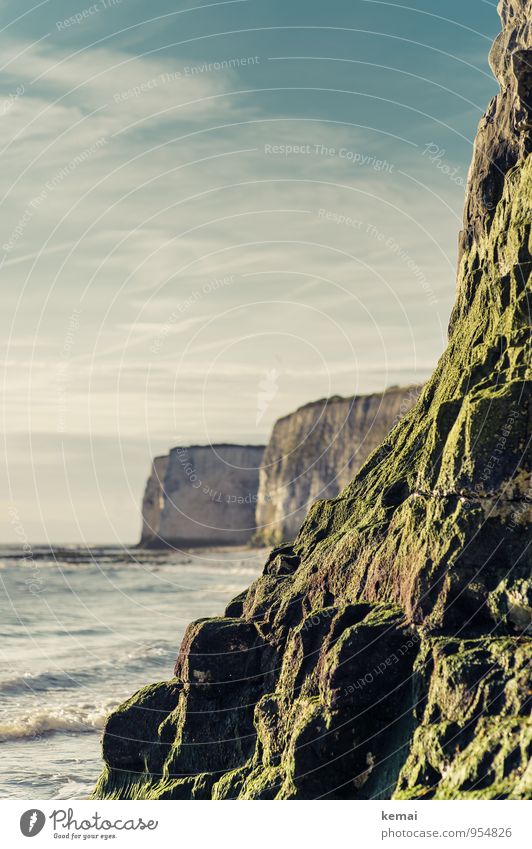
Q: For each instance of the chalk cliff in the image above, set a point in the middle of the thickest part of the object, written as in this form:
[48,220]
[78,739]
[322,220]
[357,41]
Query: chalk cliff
[153,502]
[387,651]
[314,452]
[202,495]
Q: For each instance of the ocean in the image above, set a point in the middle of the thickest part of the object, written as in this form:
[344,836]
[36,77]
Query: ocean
[82,630]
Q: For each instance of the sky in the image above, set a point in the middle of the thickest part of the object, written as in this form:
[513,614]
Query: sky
[213,213]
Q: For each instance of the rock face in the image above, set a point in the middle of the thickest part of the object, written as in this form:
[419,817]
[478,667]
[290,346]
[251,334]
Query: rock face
[314,452]
[202,495]
[153,502]
[387,651]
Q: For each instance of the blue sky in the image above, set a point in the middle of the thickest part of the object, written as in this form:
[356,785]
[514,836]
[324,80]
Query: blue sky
[209,205]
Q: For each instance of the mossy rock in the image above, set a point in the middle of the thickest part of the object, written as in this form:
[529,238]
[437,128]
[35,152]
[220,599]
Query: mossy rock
[474,739]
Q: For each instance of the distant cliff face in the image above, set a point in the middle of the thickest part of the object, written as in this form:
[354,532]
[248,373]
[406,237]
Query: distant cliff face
[153,501]
[387,651]
[202,495]
[314,452]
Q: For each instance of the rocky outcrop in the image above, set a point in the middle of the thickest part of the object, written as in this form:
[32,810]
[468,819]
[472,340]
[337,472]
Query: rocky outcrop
[503,136]
[314,452]
[202,495]
[387,651]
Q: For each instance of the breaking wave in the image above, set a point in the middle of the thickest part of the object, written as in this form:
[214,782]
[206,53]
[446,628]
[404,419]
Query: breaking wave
[35,725]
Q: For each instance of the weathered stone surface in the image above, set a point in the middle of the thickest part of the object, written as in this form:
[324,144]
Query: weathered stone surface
[314,452]
[202,495]
[474,740]
[388,646]
[503,135]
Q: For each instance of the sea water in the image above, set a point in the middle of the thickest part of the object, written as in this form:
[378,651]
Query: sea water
[83,629]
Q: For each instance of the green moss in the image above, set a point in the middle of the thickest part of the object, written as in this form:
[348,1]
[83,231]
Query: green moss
[474,738]
[494,765]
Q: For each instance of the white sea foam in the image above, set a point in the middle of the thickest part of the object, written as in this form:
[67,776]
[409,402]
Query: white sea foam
[75,790]
[34,725]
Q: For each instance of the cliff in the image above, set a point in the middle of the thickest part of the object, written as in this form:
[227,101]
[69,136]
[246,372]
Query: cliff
[314,452]
[202,495]
[387,651]
[153,502]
